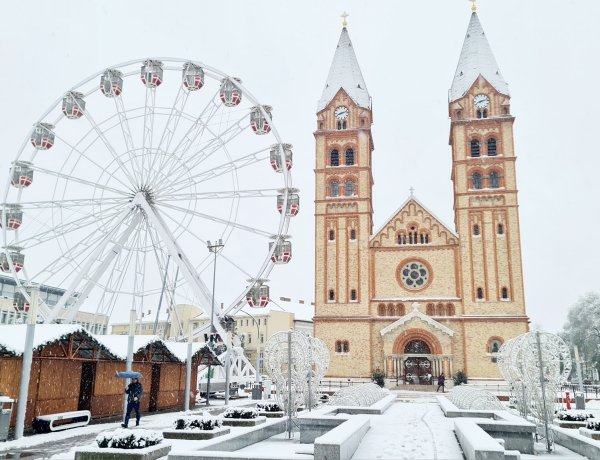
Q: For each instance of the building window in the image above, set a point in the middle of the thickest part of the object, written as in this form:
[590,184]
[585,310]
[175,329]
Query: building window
[500,229]
[494,345]
[331,235]
[321,125]
[352,234]
[475,150]
[353,294]
[249,338]
[342,346]
[334,188]
[331,295]
[424,238]
[479,293]
[449,310]
[476,229]
[262,338]
[494,179]
[476,181]
[335,158]
[341,125]
[482,113]
[381,309]
[430,309]
[349,189]
[349,157]
[491,147]
[504,293]
[401,238]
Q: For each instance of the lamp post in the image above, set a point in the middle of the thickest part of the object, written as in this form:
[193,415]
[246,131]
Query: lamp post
[214,248]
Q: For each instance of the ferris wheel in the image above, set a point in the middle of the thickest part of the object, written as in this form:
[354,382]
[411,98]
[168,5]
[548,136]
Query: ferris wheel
[125,179]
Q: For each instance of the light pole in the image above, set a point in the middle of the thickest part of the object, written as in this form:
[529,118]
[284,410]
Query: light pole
[214,248]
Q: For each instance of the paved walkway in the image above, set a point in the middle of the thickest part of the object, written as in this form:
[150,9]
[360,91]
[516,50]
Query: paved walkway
[415,430]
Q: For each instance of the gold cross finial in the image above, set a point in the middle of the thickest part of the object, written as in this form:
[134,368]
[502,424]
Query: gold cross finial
[473,7]
[344,16]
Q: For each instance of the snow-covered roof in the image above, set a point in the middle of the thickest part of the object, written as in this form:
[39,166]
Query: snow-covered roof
[476,58]
[179,349]
[117,344]
[12,336]
[345,73]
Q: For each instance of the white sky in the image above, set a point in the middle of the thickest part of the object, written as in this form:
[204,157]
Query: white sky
[547,50]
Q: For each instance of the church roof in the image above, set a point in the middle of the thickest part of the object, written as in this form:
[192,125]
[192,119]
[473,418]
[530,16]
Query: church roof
[345,73]
[476,58]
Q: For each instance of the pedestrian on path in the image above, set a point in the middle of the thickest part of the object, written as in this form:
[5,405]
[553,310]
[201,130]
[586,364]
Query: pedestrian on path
[441,382]
[134,393]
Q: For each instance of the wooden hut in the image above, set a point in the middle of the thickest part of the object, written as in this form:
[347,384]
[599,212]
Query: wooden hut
[75,370]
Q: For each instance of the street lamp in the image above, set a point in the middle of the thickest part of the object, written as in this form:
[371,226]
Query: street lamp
[214,248]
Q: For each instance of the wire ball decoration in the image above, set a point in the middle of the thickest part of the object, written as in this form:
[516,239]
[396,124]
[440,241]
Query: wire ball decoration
[362,395]
[471,398]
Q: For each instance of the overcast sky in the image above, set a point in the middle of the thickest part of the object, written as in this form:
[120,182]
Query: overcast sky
[547,50]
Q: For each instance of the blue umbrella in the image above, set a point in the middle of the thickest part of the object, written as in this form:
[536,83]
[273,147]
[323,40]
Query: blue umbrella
[128,375]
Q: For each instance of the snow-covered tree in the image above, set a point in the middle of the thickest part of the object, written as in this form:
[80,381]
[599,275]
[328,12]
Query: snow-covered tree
[583,327]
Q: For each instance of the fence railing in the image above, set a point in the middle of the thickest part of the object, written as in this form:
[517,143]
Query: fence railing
[588,390]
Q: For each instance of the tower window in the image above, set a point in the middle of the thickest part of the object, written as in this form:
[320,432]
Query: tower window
[504,293]
[401,238]
[331,295]
[331,235]
[476,181]
[353,294]
[341,125]
[476,230]
[335,158]
[349,188]
[500,229]
[475,148]
[494,346]
[352,234]
[334,188]
[321,125]
[479,293]
[491,147]
[349,157]
[494,179]
[482,113]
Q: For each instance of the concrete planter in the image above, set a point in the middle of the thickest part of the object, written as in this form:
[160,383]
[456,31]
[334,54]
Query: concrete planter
[108,453]
[277,414]
[590,433]
[569,424]
[244,421]
[195,435]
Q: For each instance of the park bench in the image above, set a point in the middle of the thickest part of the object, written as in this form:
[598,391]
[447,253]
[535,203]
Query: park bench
[61,421]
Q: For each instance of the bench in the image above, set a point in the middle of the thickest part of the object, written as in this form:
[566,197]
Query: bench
[61,421]
[341,442]
[476,443]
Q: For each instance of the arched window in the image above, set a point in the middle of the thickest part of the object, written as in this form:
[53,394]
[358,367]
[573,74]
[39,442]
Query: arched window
[476,181]
[349,189]
[341,125]
[349,157]
[475,149]
[412,236]
[390,310]
[381,309]
[345,346]
[401,309]
[331,295]
[429,310]
[334,188]
[494,179]
[494,345]
[331,235]
[424,238]
[335,158]
[482,113]
[417,347]
[476,230]
[401,238]
[352,234]
[439,310]
[491,147]
[480,293]
[450,309]
[352,294]
[338,346]
[504,293]
[500,229]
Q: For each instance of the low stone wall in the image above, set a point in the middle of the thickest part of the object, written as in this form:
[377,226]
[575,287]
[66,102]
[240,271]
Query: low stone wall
[576,442]
[476,443]
[244,421]
[147,453]
[195,435]
[341,442]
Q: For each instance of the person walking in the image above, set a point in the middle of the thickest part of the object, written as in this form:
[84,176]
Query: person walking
[441,382]
[134,393]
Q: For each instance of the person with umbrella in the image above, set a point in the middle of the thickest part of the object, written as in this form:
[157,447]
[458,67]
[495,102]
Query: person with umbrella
[134,393]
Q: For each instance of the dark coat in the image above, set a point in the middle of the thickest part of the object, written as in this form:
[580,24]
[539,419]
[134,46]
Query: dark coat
[134,390]
[441,380]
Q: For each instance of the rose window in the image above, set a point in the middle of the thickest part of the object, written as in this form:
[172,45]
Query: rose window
[414,275]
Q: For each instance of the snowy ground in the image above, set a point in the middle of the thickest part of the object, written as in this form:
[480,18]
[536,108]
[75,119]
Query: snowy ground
[413,428]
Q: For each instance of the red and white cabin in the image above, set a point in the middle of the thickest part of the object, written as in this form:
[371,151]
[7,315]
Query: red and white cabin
[21,174]
[282,253]
[258,296]
[293,204]
[275,157]
[20,303]
[13,216]
[42,136]
[73,105]
[17,258]
[193,76]
[152,73]
[259,123]
[230,94]
[111,83]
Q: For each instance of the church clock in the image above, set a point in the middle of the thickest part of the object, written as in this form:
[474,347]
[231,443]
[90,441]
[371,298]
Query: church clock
[341,113]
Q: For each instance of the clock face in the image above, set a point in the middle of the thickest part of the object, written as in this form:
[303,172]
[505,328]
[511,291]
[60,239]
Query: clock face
[481,101]
[341,113]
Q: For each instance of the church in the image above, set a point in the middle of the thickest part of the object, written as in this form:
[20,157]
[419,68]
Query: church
[418,297]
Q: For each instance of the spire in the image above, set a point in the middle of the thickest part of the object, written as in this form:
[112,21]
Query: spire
[345,73]
[476,58]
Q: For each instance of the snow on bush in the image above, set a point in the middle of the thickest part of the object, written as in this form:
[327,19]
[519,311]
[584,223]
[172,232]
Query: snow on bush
[268,407]
[195,422]
[240,412]
[124,438]
[574,415]
[591,425]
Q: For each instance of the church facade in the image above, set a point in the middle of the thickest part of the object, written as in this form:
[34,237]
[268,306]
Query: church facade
[418,297]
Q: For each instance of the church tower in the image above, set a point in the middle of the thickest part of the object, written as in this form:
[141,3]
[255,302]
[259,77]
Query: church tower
[343,212]
[485,197]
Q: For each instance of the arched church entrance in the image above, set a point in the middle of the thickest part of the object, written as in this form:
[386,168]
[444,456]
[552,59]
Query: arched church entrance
[417,358]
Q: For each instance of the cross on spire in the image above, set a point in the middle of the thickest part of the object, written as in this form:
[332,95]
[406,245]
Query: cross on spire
[473,7]
[344,15]
[412,191]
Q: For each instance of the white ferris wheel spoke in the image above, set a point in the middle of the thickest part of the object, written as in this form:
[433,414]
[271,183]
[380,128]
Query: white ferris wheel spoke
[74,203]
[220,220]
[148,130]
[225,194]
[126,130]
